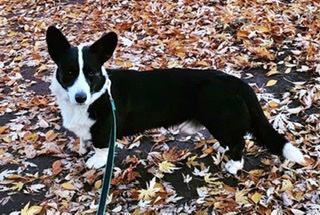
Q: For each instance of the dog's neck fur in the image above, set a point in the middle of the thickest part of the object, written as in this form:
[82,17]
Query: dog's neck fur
[74,117]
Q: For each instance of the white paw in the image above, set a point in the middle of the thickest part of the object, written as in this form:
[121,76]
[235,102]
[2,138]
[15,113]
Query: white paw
[99,159]
[292,153]
[82,147]
[234,166]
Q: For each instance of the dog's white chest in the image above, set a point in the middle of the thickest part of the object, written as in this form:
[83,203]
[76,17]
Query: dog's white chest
[76,119]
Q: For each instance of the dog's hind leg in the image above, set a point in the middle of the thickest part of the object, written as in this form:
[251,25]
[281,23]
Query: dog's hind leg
[229,129]
[235,153]
[230,137]
[236,144]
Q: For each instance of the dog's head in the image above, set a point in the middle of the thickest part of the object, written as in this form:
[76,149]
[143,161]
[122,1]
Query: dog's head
[80,69]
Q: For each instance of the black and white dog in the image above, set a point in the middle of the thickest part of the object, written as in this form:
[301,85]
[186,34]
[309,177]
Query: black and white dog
[224,104]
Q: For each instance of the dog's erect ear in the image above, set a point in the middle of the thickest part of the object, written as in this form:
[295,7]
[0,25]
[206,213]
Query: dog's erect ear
[105,46]
[57,43]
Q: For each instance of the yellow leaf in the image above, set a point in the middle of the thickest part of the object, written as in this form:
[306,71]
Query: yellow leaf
[97,184]
[31,137]
[256,197]
[263,29]
[17,186]
[210,180]
[286,185]
[24,210]
[273,104]
[271,83]
[150,192]
[33,210]
[191,161]
[298,196]
[241,196]
[167,167]
[145,194]
[68,186]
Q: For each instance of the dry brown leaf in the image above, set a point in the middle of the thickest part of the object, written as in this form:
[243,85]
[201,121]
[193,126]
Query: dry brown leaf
[56,167]
[3,129]
[51,135]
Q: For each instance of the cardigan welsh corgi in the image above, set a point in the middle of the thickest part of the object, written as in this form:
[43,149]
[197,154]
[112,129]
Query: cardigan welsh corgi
[224,104]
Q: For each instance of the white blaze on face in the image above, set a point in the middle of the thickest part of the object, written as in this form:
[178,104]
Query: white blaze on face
[80,85]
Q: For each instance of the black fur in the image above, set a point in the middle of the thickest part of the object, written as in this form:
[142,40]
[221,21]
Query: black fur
[224,104]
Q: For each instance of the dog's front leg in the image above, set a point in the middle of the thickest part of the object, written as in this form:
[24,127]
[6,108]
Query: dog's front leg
[100,141]
[83,146]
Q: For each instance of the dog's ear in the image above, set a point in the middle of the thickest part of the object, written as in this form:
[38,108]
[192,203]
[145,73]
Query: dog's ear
[57,43]
[105,46]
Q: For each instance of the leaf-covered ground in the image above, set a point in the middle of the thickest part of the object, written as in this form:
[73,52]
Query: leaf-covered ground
[273,45]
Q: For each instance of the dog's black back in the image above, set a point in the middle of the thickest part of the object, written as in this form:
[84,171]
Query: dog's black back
[222,103]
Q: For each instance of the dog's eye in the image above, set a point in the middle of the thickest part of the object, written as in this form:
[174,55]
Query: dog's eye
[91,73]
[70,73]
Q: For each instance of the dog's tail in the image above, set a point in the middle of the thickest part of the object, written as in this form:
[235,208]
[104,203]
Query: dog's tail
[265,133]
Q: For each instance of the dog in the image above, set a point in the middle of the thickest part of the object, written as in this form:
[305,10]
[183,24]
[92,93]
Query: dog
[224,104]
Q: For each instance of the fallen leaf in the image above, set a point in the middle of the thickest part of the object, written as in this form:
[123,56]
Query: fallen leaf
[56,167]
[97,184]
[150,192]
[241,197]
[68,186]
[192,161]
[33,210]
[167,167]
[286,185]
[51,135]
[256,197]
[271,83]
[17,186]
[273,104]
[3,129]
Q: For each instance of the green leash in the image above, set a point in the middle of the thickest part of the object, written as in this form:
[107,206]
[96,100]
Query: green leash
[110,162]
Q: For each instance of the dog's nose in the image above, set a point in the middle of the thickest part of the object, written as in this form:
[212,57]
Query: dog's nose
[80,97]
